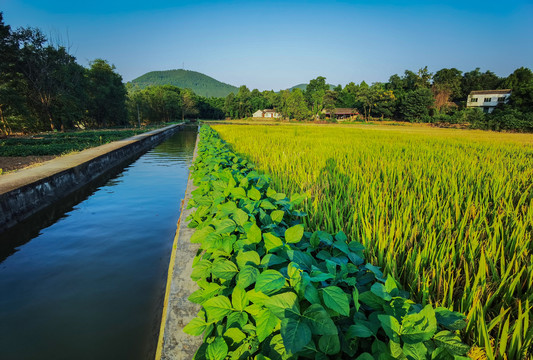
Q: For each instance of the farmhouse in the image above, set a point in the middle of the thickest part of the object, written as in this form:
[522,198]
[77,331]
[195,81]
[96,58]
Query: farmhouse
[488,99]
[266,113]
[341,113]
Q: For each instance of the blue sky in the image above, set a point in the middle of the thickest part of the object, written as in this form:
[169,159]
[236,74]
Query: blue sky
[278,44]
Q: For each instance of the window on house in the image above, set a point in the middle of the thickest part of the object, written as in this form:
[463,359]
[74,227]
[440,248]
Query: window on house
[473,99]
[488,100]
[501,99]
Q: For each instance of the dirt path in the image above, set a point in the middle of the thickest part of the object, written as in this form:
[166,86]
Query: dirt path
[10,163]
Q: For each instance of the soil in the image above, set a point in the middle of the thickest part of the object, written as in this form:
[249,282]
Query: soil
[10,163]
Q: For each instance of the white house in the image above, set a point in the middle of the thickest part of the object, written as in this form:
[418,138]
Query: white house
[267,113]
[488,99]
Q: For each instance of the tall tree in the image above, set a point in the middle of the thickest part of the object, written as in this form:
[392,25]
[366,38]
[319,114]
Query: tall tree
[384,101]
[258,101]
[68,109]
[243,101]
[395,83]
[521,84]
[107,94]
[11,87]
[314,94]
[449,80]
[45,69]
[230,107]
[365,97]
[423,78]
[273,99]
[296,106]
[476,80]
[330,100]
[416,104]
[347,97]
[188,104]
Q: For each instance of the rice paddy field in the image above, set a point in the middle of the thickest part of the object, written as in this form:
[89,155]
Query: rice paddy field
[449,213]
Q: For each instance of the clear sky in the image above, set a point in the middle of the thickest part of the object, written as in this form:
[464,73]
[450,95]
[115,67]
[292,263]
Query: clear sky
[278,44]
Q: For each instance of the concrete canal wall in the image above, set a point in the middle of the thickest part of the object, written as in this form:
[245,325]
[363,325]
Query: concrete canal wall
[173,343]
[25,192]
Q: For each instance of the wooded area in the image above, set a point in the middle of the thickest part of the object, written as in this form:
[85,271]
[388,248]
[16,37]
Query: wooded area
[42,87]
[413,97]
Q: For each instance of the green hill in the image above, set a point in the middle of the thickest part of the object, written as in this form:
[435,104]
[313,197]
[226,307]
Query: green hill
[304,86]
[199,83]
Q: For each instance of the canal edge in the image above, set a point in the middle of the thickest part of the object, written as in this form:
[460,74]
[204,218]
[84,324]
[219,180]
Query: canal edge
[28,191]
[173,343]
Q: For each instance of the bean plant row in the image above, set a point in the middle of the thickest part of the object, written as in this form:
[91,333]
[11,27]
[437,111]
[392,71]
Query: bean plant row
[448,213]
[269,289]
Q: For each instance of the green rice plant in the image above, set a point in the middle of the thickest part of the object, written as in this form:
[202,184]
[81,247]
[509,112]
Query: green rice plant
[271,290]
[448,213]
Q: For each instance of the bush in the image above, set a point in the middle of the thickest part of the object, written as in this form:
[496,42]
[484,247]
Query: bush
[504,118]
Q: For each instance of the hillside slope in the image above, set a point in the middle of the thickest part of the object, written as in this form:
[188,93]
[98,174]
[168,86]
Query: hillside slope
[199,83]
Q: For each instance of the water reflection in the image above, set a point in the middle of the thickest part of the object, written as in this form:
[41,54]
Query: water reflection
[89,282]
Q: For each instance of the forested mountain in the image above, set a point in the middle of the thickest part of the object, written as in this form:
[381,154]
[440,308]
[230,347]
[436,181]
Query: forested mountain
[186,79]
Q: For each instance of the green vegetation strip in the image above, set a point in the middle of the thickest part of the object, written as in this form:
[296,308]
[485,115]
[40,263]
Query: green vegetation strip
[271,290]
[61,143]
[448,213]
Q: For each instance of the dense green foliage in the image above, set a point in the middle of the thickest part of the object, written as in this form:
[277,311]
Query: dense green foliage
[303,87]
[448,213]
[200,84]
[166,103]
[60,143]
[43,88]
[413,97]
[415,107]
[271,290]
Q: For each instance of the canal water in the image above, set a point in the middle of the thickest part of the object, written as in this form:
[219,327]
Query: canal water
[91,284]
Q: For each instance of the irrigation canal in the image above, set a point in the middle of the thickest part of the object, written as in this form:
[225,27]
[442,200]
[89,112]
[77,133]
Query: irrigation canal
[86,278]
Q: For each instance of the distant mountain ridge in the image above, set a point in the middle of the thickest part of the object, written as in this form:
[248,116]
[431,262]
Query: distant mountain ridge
[200,83]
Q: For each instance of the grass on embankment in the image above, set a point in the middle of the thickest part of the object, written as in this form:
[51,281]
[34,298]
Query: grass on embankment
[447,212]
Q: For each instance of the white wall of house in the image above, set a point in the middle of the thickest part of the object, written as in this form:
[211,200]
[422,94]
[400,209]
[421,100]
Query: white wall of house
[266,114]
[487,101]
[272,114]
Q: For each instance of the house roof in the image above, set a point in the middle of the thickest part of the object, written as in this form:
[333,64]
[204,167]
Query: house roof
[490,92]
[270,110]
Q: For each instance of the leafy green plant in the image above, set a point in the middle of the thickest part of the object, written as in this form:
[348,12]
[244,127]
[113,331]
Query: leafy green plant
[61,143]
[271,290]
[448,213]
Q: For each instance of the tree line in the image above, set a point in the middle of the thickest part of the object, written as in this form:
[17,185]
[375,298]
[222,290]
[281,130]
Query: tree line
[42,87]
[165,103]
[414,96]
